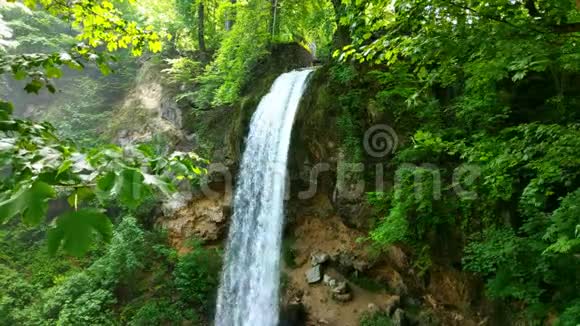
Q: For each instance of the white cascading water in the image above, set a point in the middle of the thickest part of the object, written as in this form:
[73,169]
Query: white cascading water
[248,294]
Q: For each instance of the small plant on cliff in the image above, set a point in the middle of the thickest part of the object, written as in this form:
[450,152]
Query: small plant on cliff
[375,319]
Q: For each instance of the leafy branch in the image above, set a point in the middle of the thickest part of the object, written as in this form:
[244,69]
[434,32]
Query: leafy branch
[39,167]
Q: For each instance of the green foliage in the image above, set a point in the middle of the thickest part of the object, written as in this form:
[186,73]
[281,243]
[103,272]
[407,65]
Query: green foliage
[413,211]
[74,231]
[483,88]
[289,252]
[311,23]
[570,316]
[162,312]
[564,230]
[375,319]
[197,276]
[97,23]
[240,50]
[16,295]
[257,25]
[88,296]
[41,163]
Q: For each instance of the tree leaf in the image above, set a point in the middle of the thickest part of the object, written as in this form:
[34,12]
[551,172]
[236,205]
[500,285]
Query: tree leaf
[53,72]
[152,180]
[130,188]
[75,230]
[81,195]
[37,198]
[31,201]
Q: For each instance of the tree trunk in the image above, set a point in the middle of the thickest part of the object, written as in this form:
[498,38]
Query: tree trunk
[201,26]
[274,15]
[231,15]
[342,34]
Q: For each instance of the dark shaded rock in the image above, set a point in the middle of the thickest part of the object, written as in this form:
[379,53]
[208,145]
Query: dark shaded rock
[293,314]
[354,214]
[347,263]
[392,304]
[342,297]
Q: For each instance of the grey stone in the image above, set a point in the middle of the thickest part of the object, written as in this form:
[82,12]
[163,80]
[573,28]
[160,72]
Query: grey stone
[372,308]
[332,283]
[318,258]
[327,280]
[340,288]
[314,275]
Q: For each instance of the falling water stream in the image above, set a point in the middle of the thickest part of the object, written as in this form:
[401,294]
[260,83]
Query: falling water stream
[248,294]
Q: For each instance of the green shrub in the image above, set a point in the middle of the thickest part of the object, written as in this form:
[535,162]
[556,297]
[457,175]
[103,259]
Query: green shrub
[87,297]
[375,319]
[289,253]
[163,312]
[196,276]
[16,294]
[570,316]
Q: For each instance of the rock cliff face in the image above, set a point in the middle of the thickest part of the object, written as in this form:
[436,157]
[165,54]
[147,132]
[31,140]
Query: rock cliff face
[323,216]
[147,111]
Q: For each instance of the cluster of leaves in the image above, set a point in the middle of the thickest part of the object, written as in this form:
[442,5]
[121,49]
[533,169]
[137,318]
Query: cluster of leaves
[97,24]
[244,37]
[196,276]
[311,23]
[84,99]
[39,167]
[488,87]
[238,53]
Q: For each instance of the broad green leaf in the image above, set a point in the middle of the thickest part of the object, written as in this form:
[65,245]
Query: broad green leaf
[130,188]
[33,86]
[80,195]
[53,72]
[65,166]
[37,202]
[74,231]
[6,109]
[20,74]
[31,201]
[12,205]
[154,181]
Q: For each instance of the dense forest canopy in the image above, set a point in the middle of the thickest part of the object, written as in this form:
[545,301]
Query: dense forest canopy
[492,86]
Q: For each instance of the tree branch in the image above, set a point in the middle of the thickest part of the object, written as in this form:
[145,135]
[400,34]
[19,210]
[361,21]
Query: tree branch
[566,28]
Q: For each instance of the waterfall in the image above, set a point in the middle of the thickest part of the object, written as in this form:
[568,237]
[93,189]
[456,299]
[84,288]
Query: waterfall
[248,294]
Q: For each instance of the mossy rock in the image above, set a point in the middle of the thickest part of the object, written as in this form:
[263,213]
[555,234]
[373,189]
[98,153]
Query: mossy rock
[221,131]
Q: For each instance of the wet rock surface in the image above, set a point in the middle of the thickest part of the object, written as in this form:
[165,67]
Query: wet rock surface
[314,275]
